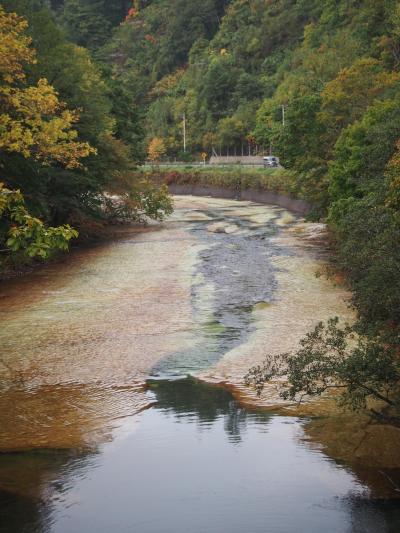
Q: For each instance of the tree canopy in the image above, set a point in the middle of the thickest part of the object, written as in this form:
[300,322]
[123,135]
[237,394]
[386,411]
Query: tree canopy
[68,137]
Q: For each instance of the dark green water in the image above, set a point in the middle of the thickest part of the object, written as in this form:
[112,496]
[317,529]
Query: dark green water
[195,462]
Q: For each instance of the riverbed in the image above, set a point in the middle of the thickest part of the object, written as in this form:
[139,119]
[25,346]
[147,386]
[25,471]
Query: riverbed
[122,395]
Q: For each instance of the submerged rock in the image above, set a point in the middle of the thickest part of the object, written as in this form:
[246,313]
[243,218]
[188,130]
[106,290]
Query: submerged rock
[222,227]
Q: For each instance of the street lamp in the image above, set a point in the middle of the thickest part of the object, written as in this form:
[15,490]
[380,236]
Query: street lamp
[184,131]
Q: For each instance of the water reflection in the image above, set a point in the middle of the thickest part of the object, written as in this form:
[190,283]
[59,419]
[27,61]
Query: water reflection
[65,416]
[22,515]
[190,399]
[30,482]
[195,463]
[373,516]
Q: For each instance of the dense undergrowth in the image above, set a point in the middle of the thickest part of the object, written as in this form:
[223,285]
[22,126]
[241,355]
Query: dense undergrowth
[233,177]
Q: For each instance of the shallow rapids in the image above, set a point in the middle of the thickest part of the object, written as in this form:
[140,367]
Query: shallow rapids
[206,293]
[99,419]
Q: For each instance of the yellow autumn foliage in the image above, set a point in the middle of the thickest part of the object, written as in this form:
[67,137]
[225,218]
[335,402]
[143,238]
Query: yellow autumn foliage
[14,47]
[393,176]
[168,82]
[156,149]
[33,121]
[345,98]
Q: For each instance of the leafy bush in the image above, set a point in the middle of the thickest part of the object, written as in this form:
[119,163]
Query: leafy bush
[365,370]
[366,239]
[24,236]
[281,181]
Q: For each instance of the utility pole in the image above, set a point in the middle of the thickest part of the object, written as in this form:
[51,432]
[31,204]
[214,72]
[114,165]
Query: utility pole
[184,132]
[283,115]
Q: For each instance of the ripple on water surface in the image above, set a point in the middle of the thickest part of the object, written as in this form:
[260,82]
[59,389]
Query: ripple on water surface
[167,300]
[205,292]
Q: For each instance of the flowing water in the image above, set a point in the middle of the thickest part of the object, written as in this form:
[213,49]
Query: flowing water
[113,417]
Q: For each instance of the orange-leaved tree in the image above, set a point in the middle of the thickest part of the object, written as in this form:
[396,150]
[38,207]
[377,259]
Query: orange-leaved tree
[156,149]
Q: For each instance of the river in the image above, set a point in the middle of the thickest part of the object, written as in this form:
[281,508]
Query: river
[122,397]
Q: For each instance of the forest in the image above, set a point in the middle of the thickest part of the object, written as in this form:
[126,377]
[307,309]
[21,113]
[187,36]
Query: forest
[88,86]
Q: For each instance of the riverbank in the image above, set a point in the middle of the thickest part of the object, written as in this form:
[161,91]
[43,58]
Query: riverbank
[106,233]
[269,186]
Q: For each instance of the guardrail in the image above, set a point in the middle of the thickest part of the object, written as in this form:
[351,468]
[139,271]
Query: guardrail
[202,165]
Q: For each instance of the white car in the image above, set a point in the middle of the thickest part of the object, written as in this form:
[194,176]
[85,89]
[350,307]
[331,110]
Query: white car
[271,161]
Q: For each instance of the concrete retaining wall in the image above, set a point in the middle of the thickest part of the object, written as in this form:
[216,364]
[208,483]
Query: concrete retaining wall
[236,159]
[262,197]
